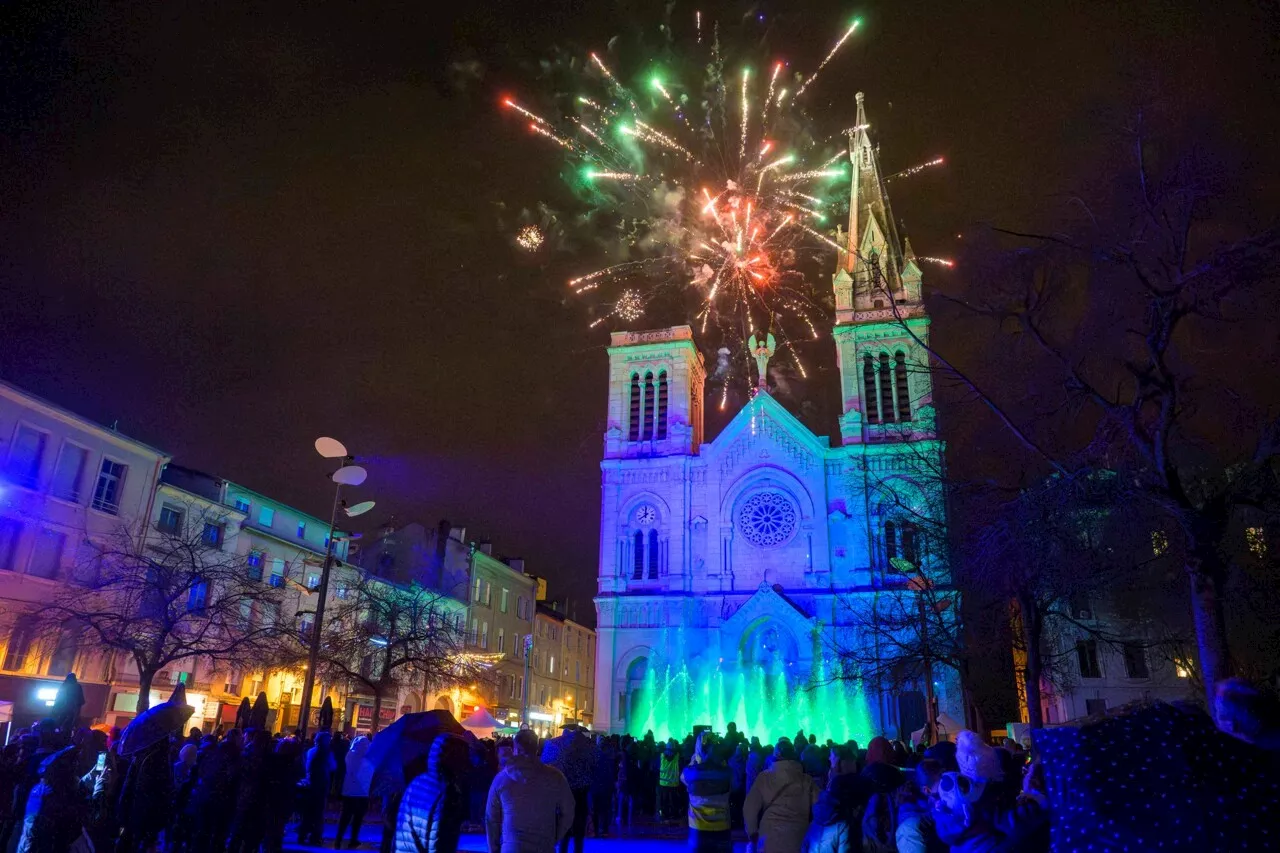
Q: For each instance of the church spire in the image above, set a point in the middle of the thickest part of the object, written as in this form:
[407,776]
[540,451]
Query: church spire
[873,233]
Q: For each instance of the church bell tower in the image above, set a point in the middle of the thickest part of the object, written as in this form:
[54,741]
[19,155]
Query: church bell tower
[655,394]
[881,325]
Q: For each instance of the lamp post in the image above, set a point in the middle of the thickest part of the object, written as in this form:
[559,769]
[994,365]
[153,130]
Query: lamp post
[524,698]
[347,475]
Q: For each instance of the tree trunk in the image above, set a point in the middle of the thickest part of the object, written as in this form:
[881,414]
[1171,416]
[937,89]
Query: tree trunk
[377,712]
[1211,626]
[144,689]
[1030,618]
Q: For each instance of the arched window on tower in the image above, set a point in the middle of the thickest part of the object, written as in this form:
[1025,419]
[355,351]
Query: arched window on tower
[900,383]
[637,571]
[661,429]
[910,535]
[634,431]
[886,389]
[648,407]
[869,389]
[653,555]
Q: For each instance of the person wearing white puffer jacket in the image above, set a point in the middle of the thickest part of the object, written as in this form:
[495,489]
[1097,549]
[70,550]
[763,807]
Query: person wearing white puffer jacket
[355,791]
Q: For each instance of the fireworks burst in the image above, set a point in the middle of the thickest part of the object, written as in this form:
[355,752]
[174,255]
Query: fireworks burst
[919,167]
[630,306]
[711,190]
[530,238]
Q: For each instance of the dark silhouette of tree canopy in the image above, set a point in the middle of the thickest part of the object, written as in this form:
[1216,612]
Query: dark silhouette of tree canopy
[174,596]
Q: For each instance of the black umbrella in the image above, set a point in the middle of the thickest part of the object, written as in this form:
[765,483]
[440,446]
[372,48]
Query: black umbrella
[325,722]
[154,725]
[243,714]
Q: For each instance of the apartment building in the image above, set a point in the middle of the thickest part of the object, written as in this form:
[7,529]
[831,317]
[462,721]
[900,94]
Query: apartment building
[65,482]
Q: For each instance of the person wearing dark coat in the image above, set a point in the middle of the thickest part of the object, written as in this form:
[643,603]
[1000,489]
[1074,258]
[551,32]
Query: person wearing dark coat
[430,815]
[252,806]
[66,708]
[283,772]
[314,790]
[836,826]
[55,810]
[212,794]
[604,780]
[146,799]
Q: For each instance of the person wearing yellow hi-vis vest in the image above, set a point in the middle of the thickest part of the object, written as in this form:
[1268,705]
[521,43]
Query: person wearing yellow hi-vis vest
[668,782]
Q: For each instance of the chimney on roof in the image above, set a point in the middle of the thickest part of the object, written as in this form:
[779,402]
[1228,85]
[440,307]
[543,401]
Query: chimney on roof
[516,563]
[458,534]
[485,547]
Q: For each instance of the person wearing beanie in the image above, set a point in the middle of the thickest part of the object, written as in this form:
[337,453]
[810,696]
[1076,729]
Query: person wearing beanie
[780,803]
[708,781]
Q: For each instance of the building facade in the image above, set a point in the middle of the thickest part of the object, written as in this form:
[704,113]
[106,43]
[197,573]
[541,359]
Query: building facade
[730,570]
[66,482]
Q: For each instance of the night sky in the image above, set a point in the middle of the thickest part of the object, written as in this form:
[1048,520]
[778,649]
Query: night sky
[233,228]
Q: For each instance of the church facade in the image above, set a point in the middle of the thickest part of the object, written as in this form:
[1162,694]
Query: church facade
[732,572]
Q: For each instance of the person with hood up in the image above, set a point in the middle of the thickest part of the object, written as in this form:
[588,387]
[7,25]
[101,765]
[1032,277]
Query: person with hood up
[355,790]
[779,804]
[67,705]
[430,816]
[708,781]
[530,805]
[55,810]
[314,789]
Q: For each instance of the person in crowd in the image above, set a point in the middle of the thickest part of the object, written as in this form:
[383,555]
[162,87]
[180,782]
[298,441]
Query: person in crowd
[339,747]
[879,818]
[252,806]
[573,754]
[146,798]
[356,779]
[815,760]
[216,776]
[965,810]
[314,789]
[708,782]
[67,705]
[779,804]
[755,763]
[604,779]
[880,751]
[916,832]
[55,809]
[284,769]
[836,825]
[626,784]
[530,805]
[430,815]
[1246,713]
[668,781]
[184,779]
[737,782]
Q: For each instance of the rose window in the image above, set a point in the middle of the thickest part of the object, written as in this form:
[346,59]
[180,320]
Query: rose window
[767,519]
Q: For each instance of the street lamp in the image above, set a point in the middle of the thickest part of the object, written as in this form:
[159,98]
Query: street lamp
[347,475]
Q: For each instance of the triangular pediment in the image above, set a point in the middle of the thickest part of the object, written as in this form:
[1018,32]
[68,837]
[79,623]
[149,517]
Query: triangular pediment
[768,603]
[765,431]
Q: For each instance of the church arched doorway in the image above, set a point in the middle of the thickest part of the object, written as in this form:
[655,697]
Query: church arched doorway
[636,699]
[444,703]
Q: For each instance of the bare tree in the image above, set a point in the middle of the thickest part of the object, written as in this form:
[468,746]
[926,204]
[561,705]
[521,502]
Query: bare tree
[174,595]
[385,635]
[1108,324]
[908,626]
